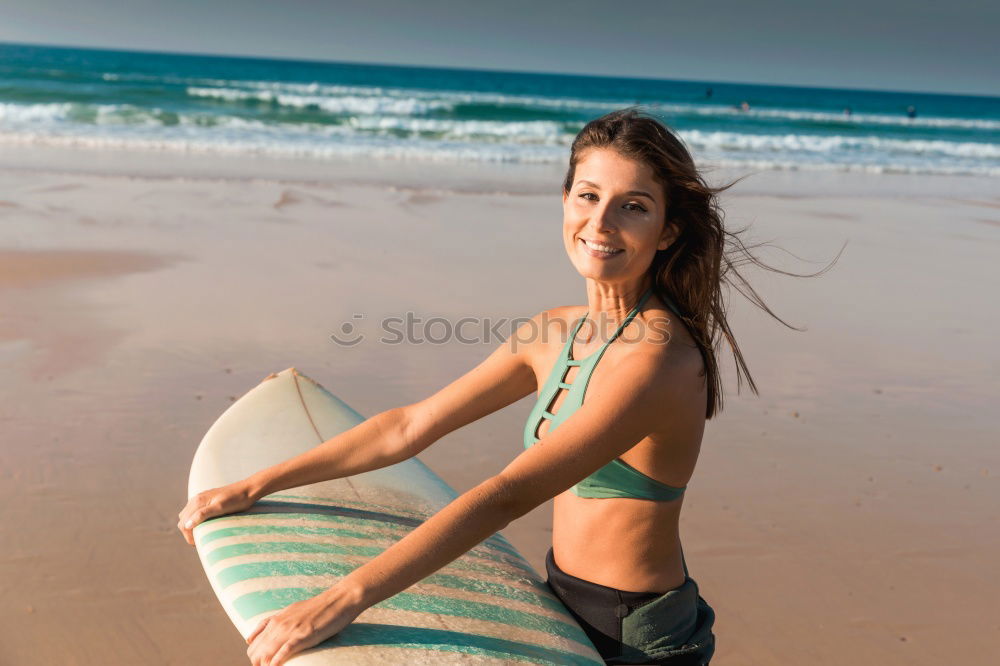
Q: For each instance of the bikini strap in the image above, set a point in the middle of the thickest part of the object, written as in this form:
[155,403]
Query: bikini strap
[671,305]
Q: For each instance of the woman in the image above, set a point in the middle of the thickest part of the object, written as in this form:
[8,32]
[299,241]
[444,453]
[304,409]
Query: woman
[644,231]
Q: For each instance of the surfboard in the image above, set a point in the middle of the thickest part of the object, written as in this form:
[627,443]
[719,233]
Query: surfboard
[488,606]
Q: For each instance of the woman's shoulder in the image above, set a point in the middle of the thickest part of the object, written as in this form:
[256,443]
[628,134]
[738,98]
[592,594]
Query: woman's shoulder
[560,320]
[548,327]
[666,340]
[564,314]
[558,316]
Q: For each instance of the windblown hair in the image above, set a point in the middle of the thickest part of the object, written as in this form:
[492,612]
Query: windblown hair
[704,256]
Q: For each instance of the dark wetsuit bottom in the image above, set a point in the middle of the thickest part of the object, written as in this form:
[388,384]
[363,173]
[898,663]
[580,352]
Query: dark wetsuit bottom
[672,627]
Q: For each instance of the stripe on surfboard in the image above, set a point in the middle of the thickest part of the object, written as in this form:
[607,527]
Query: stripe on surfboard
[241,545]
[360,634]
[211,535]
[375,513]
[262,601]
[248,548]
[340,502]
[271,568]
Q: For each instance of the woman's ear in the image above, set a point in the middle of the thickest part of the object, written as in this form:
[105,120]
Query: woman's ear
[668,235]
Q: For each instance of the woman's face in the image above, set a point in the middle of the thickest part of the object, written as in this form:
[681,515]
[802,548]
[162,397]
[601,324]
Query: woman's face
[614,203]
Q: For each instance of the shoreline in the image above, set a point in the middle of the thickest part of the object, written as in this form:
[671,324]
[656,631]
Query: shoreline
[461,177]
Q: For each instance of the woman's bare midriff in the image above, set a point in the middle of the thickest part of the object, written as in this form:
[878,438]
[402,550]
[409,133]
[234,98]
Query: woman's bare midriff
[628,544]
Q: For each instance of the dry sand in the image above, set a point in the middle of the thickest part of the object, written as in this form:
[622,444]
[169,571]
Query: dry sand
[848,515]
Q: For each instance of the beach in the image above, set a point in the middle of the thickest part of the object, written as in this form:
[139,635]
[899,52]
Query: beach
[847,514]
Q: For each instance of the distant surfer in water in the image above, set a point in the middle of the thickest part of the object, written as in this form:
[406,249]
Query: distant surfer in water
[625,384]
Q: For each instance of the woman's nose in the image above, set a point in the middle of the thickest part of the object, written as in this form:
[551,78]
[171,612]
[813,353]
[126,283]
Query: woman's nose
[601,219]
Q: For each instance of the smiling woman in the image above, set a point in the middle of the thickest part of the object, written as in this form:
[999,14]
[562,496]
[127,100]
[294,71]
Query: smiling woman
[633,193]
[644,231]
[641,226]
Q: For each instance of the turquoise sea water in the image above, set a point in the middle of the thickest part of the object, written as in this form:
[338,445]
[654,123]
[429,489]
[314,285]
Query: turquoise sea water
[205,104]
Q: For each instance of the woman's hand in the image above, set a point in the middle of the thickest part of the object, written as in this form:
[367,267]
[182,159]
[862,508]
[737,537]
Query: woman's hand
[302,625]
[214,502]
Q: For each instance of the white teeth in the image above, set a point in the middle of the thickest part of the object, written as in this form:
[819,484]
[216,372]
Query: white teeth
[600,248]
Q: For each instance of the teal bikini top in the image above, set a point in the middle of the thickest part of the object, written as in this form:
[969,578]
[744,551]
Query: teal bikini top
[617,478]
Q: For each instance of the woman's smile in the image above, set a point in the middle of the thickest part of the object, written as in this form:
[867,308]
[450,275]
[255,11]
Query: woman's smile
[600,250]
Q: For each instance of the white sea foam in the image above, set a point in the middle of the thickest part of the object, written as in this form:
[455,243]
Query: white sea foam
[323,95]
[341,104]
[368,116]
[257,141]
[827,145]
[438,99]
[391,125]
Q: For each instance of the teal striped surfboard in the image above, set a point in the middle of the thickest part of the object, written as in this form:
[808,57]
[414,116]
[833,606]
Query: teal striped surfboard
[488,606]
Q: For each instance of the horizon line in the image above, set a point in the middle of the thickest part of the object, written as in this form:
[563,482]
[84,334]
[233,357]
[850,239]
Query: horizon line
[299,59]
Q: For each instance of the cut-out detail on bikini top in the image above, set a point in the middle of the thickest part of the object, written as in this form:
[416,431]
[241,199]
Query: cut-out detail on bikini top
[617,478]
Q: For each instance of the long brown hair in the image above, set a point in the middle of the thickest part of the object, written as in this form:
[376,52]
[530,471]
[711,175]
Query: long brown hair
[705,254]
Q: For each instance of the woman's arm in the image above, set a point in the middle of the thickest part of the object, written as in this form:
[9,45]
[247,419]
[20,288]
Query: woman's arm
[609,423]
[371,444]
[374,443]
[387,438]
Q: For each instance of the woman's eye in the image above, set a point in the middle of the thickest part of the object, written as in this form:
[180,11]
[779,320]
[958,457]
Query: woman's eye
[634,206]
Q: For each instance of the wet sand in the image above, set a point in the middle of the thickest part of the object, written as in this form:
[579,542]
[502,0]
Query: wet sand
[850,509]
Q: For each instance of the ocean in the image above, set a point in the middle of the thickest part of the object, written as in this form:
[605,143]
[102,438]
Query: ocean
[320,110]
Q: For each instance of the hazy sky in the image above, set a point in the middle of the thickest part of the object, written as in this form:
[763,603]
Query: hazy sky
[910,45]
